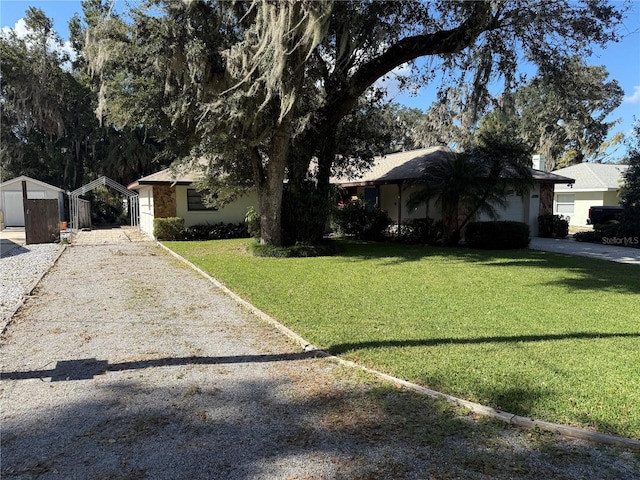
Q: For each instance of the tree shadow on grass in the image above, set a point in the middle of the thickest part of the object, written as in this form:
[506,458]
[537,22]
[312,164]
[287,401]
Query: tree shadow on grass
[343,348]
[585,274]
[243,429]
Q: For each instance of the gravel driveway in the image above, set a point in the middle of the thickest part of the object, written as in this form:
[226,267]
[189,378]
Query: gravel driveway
[125,364]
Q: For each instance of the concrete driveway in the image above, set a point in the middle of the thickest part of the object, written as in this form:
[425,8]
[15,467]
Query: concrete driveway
[593,250]
[10,238]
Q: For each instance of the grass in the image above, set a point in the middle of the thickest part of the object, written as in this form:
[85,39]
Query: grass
[538,334]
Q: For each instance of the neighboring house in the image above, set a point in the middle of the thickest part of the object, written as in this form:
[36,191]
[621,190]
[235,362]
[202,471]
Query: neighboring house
[596,184]
[169,194]
[11,207]
[390,182]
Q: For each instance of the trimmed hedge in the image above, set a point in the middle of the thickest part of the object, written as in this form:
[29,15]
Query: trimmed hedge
[169,228]
[173,229]
[497,235]
[553,226]
[218,231]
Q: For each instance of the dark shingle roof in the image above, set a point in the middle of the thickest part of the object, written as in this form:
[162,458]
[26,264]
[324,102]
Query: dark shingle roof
[413,164]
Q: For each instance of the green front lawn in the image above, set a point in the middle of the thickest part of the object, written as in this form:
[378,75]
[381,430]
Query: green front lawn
[537,334]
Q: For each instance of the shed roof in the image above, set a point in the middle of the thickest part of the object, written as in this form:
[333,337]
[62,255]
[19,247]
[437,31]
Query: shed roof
[593,177]
[32,180]
[413,164]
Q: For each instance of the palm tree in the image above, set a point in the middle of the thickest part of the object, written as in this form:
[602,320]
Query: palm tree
[477,181]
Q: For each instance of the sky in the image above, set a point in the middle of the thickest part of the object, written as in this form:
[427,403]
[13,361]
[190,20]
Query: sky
[622,60]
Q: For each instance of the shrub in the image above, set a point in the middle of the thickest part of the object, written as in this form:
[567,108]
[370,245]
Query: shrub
[599,231]
[497,235]
[218,231]
[318,250]
[553,226]
[304,211]
[608,230]
[422,230]
[586,237]
[169,228]
[252,219]
[359,219]
[603,233]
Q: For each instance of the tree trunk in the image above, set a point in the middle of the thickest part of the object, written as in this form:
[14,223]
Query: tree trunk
[323,124]
[270,182]
[269,205]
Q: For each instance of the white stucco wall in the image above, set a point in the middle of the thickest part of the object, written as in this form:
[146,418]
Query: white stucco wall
[582,202]
[232,213]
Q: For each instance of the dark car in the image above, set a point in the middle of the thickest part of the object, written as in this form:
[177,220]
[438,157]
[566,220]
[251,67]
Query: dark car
[601,215]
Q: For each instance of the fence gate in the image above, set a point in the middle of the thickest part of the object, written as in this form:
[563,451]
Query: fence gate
[41,221]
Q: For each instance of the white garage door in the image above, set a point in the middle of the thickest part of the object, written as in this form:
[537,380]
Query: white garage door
[513,211]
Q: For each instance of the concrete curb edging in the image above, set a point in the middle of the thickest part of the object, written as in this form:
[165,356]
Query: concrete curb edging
[6,321]
[506,417]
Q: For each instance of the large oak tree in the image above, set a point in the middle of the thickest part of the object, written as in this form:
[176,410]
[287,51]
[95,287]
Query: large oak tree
[261,88]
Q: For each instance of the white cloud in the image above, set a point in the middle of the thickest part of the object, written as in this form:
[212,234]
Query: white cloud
[634,98]
[22,31]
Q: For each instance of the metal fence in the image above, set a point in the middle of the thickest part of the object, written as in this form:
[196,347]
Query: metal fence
[80,214]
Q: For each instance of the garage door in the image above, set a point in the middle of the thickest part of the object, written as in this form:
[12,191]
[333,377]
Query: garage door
[513,211]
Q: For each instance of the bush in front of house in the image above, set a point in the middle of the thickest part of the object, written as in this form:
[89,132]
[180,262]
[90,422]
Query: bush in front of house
[502,235]
[553,226]
[324,249]
[218,231]
[252,220]
[590,237]
[361,220]
[420,230]
[169,228]
[617,234]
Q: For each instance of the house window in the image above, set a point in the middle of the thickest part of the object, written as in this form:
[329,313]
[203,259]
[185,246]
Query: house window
[565,203]
[194,201]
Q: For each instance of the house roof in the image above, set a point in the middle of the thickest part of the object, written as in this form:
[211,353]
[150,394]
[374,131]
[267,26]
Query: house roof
[170,176]
[593,177]
[413,164]
[32,180]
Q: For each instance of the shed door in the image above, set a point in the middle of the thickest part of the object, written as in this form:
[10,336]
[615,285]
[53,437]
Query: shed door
[12,206]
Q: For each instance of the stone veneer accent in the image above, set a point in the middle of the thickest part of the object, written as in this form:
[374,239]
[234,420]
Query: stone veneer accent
[546,198]
[164,201]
